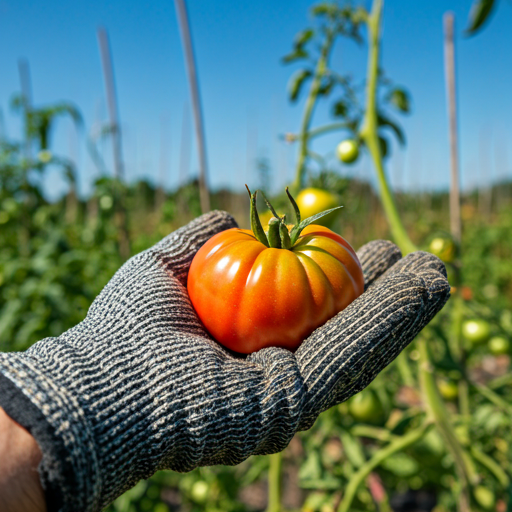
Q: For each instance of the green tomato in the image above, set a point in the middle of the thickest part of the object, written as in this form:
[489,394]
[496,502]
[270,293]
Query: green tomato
[448,389]
[476,331]
[443,247]
[366,407]
[348,151]
[199,491]
[499,345]
[484,497]
[315,200]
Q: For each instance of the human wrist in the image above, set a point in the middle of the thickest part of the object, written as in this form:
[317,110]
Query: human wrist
[20,455]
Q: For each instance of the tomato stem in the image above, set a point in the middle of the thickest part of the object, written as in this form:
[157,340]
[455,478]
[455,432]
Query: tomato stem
[273,235]
[274,483]
[369,131]
[396,445]
[285,236]
[303,137]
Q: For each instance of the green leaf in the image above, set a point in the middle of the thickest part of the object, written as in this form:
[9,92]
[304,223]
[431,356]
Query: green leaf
[303,37]
[384,121]
[256,226]
[327,483]
[294,206]
[480,12]
[401,100]
[271,208]
[340,109]
[297,81]
[297,54]
[384,146]
[324,9]
[296,230]
[326,86]
[311,469]
[401,464]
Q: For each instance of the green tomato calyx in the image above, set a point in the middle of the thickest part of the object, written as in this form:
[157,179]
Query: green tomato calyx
[279,236]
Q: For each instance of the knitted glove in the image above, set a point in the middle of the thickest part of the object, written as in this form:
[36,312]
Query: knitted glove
[139,386]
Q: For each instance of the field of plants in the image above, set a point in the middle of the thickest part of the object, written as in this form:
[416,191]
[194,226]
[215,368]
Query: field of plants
[433,431]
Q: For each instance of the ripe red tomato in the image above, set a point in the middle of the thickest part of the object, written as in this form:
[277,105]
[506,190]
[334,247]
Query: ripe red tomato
[249,296]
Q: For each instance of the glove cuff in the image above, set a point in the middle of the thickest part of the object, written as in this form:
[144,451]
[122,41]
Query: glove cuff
[69,471]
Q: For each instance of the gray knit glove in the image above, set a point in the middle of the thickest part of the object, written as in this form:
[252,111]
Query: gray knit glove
[139,386]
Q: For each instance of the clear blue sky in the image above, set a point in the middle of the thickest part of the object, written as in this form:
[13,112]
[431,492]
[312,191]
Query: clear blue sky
[243,85]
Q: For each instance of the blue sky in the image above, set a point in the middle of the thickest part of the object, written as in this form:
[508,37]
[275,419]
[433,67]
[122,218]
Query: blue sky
[238,47]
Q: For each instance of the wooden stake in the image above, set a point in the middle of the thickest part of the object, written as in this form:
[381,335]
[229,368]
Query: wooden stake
[193,80]
[164,152]
[26,92]
[184,147]
[121,217]
[108,73]
[449,59]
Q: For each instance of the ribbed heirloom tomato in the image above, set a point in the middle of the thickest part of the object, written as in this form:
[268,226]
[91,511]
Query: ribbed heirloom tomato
[253,289]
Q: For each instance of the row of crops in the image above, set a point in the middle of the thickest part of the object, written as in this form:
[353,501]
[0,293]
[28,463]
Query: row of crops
[432,432]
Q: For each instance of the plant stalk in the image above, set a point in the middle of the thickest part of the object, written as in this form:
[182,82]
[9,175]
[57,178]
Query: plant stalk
[369,132]
[304,134]
[437,411]
[274,483]
[395,446]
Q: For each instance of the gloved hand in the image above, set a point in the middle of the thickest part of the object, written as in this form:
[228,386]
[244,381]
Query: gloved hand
[139,386]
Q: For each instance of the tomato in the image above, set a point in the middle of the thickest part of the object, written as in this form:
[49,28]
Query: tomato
[448,389]
[499,345]
[366,407]
[200,491]
[250,296]
[315,200]
[476,330]
[444,248]
[348,151]
[484,497]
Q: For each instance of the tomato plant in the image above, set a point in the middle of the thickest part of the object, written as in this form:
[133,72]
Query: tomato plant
[315,200]
[253,289]
[348,151]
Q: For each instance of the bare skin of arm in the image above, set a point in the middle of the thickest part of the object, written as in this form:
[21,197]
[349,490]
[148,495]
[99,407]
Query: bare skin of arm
[20,455]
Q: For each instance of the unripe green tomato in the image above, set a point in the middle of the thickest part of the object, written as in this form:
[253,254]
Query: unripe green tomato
[316,200]
[484,497]
[366,407]
[476,330]
[448,389]
[199,491]
[443,248]
[348,151]
[499,345]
